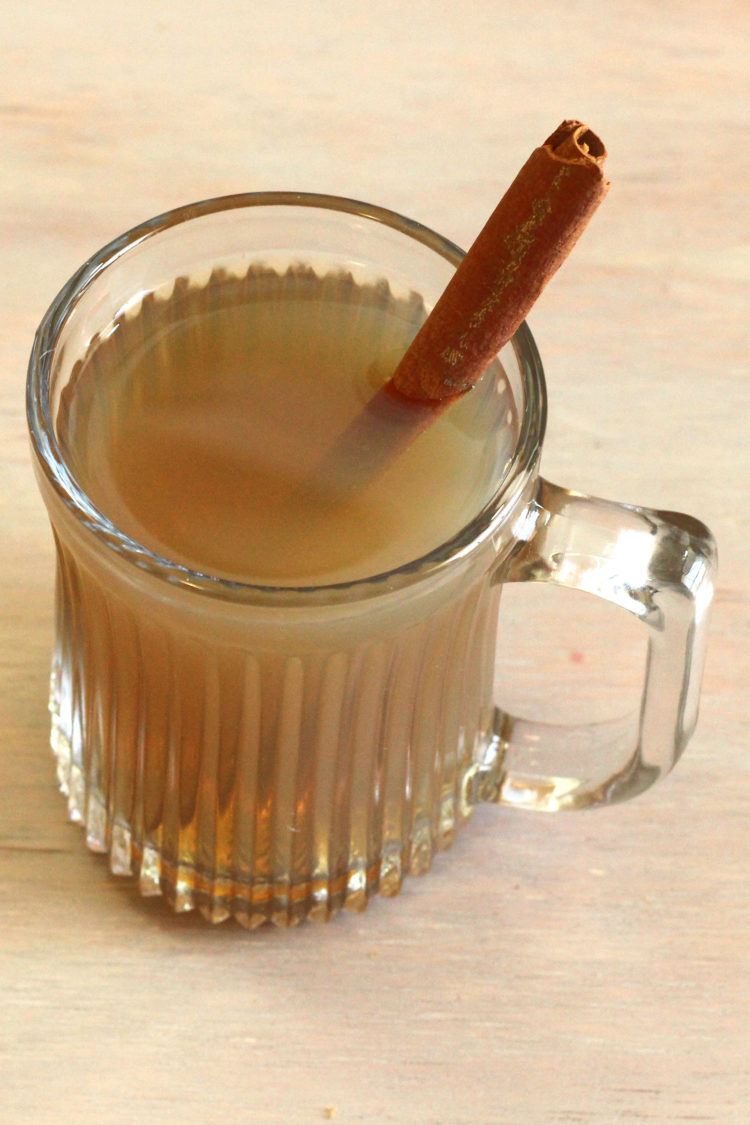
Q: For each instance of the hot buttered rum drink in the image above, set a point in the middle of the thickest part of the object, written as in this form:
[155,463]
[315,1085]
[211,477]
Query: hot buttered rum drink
[255,752]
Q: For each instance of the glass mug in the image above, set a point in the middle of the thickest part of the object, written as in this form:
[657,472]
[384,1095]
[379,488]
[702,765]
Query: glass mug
[275,752]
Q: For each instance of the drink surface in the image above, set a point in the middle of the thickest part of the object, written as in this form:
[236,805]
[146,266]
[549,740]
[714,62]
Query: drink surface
[196,423]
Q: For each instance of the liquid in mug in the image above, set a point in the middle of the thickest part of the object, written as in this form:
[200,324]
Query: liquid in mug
[235,764]
[197,426]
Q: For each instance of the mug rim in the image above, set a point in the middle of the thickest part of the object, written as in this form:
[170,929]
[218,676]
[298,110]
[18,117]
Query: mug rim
[464,542]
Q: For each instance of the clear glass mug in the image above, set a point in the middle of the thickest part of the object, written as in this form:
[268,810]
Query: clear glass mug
[278,753]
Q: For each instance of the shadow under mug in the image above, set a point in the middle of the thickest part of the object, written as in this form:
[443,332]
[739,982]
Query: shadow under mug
[278,753]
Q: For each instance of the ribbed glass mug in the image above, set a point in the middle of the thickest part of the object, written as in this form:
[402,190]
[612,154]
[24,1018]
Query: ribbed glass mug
[273,753]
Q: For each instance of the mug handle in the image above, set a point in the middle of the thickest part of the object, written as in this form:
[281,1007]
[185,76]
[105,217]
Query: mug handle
[659,566]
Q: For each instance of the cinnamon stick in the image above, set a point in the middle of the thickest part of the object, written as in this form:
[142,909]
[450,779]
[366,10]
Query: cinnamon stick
[525,240]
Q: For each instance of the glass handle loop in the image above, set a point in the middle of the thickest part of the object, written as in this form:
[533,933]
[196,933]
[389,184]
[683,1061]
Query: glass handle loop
[659,566]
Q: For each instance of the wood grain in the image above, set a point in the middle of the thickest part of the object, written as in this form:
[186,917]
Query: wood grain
[565,969]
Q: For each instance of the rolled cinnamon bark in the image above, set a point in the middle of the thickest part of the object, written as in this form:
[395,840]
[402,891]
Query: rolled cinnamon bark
[528,236]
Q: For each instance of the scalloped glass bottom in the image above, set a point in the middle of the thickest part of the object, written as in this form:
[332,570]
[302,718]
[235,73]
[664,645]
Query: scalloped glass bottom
[266,787]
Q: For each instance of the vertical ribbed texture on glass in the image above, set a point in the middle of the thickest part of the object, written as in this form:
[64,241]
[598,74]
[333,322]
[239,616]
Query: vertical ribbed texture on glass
[260,785]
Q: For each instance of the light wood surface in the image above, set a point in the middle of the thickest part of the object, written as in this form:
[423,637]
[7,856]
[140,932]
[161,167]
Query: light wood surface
[589,967]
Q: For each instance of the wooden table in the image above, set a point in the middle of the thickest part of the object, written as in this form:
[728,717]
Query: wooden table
[588,967]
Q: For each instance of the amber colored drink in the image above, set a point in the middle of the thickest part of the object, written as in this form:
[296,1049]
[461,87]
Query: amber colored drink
[253,760]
